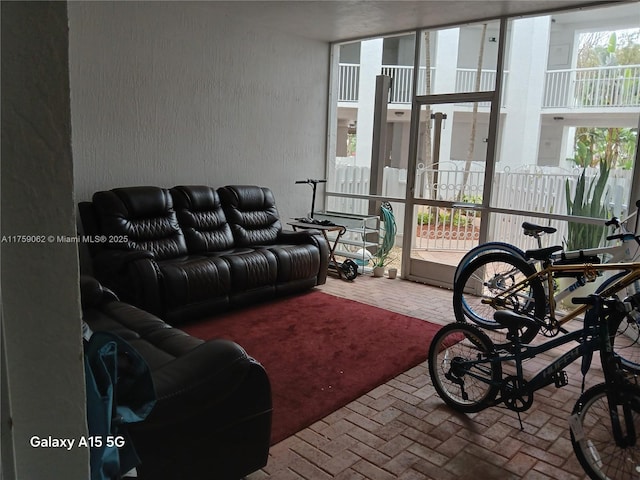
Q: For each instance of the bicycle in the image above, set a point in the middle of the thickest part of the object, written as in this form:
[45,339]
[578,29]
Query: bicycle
[617,253]
[466,370]
[501,280]
[521,290]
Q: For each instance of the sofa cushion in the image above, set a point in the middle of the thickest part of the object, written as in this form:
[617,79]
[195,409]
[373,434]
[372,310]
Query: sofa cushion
[202,219]
[252,214]
[195,279]
[296,262]
[254,269]
[140,218]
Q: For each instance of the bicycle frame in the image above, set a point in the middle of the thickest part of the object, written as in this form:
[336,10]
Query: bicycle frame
[589,271]
[587,344]
[548,374]
[618,254]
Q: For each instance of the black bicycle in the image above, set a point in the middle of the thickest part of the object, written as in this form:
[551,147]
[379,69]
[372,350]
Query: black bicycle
[467,372]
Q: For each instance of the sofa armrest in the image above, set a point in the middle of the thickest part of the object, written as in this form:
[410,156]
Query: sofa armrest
[299,237]
[93,294]
[201,378]
[310,237]
[133,275]
[118,260]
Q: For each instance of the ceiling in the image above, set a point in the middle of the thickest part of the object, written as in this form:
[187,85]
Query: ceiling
[334,21]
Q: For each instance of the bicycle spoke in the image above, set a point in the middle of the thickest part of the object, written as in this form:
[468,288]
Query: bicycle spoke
[498,281]
[594,440]
[460,368]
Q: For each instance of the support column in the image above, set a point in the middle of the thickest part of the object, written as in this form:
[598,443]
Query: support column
[370,67]
[527,65]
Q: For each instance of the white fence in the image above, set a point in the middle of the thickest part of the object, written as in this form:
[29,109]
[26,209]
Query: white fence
[534,189]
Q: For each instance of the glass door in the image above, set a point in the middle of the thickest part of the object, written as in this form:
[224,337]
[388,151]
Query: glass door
[454,121]
[448,186]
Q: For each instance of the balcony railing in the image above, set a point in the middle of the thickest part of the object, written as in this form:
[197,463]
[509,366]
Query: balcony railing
[617,86]
[402,82]
[348,82]
[574,88]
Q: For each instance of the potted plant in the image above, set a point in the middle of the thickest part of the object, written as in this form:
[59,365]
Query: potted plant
[380,260]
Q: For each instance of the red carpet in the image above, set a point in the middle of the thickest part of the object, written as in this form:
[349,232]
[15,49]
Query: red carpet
[320,351]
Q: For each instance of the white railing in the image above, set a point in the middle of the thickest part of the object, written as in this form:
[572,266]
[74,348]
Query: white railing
[573,88]
[402,82]
[534,189]
[349,79]
[617,86]
[466,80]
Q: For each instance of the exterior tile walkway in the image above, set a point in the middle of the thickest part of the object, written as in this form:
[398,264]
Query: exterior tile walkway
[403,430]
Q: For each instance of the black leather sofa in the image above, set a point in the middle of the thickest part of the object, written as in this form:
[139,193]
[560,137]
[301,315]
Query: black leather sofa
[192,250]
[212,418]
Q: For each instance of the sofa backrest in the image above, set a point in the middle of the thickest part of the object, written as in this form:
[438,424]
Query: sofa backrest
[202,218]
[252,214]
[140,218]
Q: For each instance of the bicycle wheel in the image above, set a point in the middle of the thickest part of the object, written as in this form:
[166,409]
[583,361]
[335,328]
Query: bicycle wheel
[489,247]
[488,276]
[460,369]
[626,340]
[349,269]
[593,438]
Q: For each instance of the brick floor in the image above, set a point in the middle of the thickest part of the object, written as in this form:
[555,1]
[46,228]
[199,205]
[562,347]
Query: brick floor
[403,430]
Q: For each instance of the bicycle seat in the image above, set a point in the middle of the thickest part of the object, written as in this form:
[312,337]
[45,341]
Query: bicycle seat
[542,253]
[514,321]
[532,229]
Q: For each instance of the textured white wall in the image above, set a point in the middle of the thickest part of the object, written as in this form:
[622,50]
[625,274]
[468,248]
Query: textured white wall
[169,93]
[42,357]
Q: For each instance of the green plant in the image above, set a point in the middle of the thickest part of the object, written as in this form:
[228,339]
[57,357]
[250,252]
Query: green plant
[616,145]
[472,198]
[382,258]
[587,202]
[458,219]
[425,218]
[444,218]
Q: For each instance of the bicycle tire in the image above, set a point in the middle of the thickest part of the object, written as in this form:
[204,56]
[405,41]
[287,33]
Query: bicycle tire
[489,275]
[592,435]
[626,340]
[466,390]
[349,269]
[489,247]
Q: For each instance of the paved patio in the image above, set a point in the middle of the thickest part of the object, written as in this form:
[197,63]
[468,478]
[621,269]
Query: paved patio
[403,430]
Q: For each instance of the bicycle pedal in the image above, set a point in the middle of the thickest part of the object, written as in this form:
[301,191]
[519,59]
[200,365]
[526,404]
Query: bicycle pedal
[561,379]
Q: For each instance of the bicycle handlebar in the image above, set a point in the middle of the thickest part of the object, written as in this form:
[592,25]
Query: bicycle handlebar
[627,306]
[614,221]
[310,180]
[621,236]
[590,300]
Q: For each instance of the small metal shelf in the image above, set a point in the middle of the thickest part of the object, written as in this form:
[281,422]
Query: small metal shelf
[360,239]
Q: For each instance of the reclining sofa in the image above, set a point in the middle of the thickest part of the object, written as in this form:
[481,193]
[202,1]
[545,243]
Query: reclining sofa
[193,250]
[212,417]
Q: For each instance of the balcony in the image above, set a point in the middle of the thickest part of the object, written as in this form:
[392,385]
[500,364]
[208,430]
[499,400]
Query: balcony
[602,87]
[573,88]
